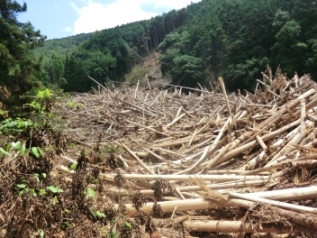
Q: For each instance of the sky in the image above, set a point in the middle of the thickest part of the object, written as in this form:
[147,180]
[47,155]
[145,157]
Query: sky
[62,18]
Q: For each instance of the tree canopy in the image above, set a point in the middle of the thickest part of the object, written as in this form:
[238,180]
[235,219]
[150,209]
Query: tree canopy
[233,39]
[18,66]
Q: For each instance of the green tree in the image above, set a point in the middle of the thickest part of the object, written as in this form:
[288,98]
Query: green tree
[304,12]
[99,65]
[287,45]
[249,71]
[18,66]
[185,69]
[75,76]
[55,70]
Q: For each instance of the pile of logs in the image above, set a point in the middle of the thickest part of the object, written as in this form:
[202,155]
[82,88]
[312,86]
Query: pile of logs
[250,151]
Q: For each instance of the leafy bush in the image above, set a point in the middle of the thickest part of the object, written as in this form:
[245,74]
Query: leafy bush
[43,102]
[14,126]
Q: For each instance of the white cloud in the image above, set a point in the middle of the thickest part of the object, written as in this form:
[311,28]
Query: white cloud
[95,15]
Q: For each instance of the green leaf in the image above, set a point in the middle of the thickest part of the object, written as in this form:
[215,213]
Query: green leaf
[16,145]
[41,233]
[97,214]
[91,193]
[2,151]
[33,193]
[41,151]
[37,177]
[22,186]
[73,166]
[23,151]
[67,211]
[128,225]
[2,112]
[113,234]
[36,151]
[67,224]
[42,192]
[100,214]
[54,189]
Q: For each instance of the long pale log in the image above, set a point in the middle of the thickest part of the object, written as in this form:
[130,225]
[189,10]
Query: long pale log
[227,185]
[223,89]
[274,203]
[288,194]
[213,178]
[193,89]
[234,226]
[97,82]
[186,205]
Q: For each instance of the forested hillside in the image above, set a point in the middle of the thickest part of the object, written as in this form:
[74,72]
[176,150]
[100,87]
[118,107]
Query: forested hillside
[111,54]
[62,46]
[234,39]
[237,39]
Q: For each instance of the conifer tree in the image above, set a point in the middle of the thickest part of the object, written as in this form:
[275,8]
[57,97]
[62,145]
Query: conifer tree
[18,66]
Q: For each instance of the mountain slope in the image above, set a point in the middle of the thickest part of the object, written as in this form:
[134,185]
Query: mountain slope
[112,53]
[62,46]
[233,39]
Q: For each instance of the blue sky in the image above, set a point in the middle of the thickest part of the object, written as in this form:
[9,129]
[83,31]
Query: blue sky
[60,18]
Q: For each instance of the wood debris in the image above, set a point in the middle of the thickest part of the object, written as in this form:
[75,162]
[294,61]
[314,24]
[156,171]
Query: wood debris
[236,163]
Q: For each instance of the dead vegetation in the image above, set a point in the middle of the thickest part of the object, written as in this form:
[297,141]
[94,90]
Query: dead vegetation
[153,163]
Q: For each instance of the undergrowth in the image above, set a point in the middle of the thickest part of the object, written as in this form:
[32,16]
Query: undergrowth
[41,202]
